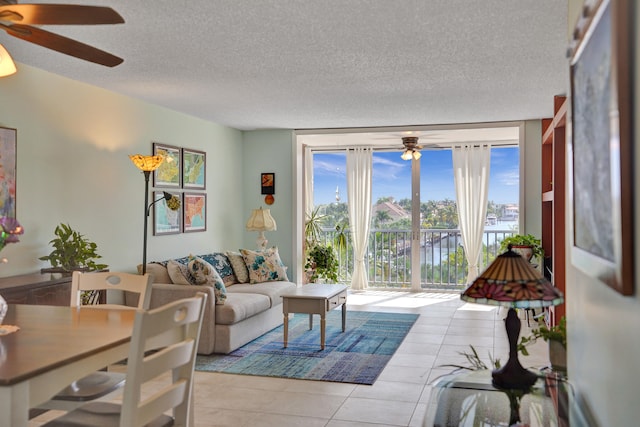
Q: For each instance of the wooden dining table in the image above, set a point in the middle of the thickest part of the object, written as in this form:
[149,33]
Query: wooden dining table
[55,346]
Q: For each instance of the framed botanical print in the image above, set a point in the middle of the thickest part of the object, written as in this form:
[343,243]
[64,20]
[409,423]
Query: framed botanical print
[194,169]
[194,212]
[8,142]
[165,220]
[169,173]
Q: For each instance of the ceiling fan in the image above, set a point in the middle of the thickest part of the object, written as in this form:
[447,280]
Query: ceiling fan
[18,20]
[411,148]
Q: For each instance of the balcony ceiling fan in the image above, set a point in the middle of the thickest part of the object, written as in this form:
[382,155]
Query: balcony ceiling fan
[18,20]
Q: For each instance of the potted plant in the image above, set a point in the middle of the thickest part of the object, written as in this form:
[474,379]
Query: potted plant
[527,245]
[556,336]
[71,251]
[322,263]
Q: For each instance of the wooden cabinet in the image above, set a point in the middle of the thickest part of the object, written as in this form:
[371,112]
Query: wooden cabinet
[554,155]
[36,288]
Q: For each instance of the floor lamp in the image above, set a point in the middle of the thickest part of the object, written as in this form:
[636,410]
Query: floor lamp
[146,164]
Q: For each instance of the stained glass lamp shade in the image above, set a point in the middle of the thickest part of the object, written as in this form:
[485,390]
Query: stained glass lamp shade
[510,281]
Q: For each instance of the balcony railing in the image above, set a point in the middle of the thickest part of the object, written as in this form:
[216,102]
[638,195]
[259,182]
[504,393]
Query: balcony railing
[442,261]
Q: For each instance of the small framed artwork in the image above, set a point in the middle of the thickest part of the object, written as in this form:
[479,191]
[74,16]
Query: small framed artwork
[169,173]
[8,142]
[194,169]
[194,212]
[601,147]
[165,220]
[268,183]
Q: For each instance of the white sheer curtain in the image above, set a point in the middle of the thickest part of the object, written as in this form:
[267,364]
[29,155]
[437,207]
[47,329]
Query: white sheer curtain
[359,167]
[471,175]
[308,182]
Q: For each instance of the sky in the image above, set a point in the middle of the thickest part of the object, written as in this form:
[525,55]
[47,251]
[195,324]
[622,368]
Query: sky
[392,176]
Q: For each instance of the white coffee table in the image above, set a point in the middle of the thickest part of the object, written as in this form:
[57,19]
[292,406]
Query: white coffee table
[313,299]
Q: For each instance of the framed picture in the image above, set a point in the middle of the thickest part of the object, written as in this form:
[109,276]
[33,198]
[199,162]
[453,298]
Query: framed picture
[194,169]
[601,147]
[165,220]
[268,183]
[194,208]
[169,172]
[8,142]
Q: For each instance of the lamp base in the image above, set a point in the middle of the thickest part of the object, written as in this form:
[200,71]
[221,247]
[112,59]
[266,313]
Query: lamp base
[261,242]
[512,375]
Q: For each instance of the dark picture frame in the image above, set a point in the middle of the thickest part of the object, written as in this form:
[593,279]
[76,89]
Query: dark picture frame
[194,212]
[165,221]
[169,174]
[268,183]
[600,146]
[8,162]
[194,169]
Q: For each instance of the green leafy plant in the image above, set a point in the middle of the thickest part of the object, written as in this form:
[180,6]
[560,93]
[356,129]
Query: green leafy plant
[313,227]
[555,333]
[72,251]
[523,240]
[322,262]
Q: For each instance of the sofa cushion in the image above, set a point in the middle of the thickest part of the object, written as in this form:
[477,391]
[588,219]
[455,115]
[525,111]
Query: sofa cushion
[264,266]
[239,266]
[273,290]
[221,263]
[205,274]
[240,306]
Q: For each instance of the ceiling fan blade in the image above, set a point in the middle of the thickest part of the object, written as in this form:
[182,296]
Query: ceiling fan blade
[62,44]
[59,14]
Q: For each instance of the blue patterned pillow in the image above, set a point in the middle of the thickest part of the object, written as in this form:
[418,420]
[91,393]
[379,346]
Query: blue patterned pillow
[221,263]
[264,266]
[206,275]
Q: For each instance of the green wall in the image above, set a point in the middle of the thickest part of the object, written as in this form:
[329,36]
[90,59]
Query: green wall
[73,167]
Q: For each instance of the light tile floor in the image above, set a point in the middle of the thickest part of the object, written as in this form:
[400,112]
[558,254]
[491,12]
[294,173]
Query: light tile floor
[446,327]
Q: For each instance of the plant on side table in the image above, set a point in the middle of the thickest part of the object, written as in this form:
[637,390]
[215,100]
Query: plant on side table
[527,245]
[71,251]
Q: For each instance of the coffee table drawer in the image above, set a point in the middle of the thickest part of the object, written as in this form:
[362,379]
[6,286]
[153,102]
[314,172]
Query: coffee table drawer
[337,300]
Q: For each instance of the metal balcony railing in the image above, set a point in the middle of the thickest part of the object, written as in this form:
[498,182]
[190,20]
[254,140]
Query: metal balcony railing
[442,261]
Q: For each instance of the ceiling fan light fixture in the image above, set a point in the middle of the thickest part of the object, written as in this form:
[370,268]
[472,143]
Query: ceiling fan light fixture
[406,155]
[7,66]
[411,148]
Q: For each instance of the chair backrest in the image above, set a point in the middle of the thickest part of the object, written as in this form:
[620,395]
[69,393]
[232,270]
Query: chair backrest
[164,341]
[98,281]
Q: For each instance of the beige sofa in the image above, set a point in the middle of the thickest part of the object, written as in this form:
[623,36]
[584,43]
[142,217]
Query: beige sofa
[249,311]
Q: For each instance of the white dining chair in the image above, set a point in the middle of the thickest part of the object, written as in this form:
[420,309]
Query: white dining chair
[101,383]
[159,373]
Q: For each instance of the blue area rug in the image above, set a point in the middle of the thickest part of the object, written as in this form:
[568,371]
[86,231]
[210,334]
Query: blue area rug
[356,356]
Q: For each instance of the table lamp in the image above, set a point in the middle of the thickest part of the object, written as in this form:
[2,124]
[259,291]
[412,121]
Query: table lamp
[261,221]
[511,281]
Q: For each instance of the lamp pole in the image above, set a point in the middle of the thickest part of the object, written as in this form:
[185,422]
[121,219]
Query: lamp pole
[146,216]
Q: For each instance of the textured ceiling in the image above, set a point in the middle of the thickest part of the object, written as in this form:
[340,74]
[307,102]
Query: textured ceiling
[297,64]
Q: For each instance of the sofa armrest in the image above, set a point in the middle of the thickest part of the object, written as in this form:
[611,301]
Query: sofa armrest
[163,293]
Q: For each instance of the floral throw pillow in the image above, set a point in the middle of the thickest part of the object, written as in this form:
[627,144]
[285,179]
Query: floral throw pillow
[179,273]
[206,275]
[264,266]
[221,263]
